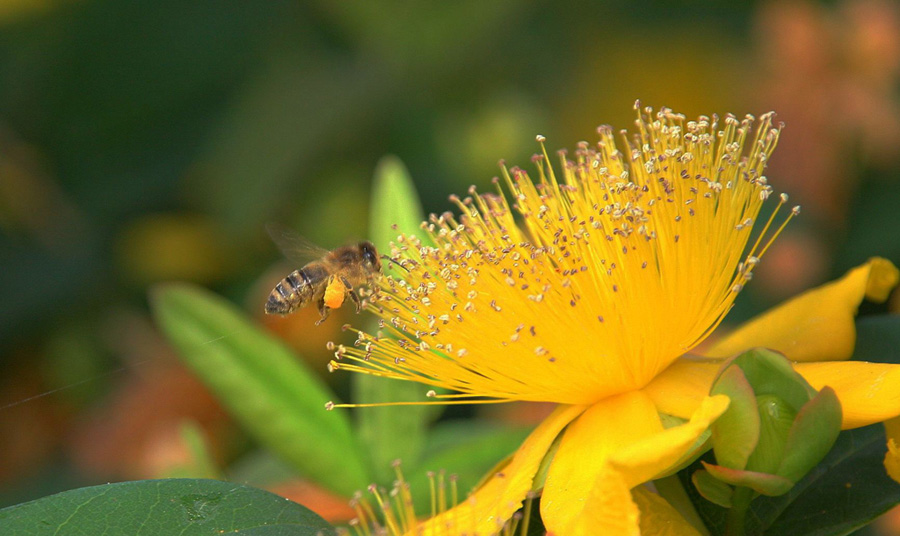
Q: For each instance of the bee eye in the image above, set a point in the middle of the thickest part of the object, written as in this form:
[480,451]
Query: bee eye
[369,255]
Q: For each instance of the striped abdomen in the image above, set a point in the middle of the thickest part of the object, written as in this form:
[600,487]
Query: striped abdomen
[297,289]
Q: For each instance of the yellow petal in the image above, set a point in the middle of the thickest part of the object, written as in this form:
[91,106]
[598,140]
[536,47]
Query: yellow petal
[609,508]
[681,388]
[892,458]
[869,392]
[818,324]
[486,510]
[658,517]
[892,428]
[652,456]
[583,455]
[621,433]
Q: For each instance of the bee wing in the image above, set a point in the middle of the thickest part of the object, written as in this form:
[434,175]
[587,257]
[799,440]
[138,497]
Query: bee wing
[293,246]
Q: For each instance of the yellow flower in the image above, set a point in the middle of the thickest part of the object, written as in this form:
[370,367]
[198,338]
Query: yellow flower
[590,298]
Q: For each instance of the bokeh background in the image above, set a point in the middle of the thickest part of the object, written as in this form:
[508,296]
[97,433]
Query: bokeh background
[151,141]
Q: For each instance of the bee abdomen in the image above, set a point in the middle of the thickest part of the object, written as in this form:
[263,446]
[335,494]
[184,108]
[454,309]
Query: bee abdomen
[291,293]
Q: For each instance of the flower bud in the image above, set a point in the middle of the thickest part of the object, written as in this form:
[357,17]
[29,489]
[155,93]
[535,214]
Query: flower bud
[776,429]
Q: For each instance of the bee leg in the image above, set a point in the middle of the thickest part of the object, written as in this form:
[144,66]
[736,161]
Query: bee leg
[323,310]
[353,295]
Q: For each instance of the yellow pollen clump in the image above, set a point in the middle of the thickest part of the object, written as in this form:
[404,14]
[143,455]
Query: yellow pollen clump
[334,293]
[585,282]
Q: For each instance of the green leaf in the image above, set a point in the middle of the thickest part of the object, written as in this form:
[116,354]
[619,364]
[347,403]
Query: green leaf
[263,384]
[200,463]
[395,205]
[261,468]
[878,339]
[153,507]
[466,449]
[392,432]
[847,490]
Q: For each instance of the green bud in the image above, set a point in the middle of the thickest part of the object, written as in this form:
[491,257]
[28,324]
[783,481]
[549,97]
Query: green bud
[736,432]
[776,417]
[814,431]
[776,429]
[762,483]
[712,489]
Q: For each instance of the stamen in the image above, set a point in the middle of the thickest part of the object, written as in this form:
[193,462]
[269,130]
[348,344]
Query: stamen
[398,517]
[627,260]
[794,212]
[781,201]
[434,501]
[331,405]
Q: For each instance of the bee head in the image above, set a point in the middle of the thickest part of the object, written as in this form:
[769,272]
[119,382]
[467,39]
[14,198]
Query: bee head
[370,256]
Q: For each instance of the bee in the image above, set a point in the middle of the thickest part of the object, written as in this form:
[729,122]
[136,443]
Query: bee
[327,281]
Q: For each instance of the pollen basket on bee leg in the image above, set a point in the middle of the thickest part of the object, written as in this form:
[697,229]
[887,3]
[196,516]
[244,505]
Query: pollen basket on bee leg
[335,293]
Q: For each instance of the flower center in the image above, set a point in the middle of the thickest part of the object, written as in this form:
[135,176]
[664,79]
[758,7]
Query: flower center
[586,285]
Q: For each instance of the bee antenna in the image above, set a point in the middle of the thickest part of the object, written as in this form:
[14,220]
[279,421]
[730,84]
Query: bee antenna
[395,262]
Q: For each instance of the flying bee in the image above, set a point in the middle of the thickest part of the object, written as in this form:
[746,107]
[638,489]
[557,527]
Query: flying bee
[327,281]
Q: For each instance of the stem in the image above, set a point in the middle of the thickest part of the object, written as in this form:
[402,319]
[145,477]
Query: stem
[740,503]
